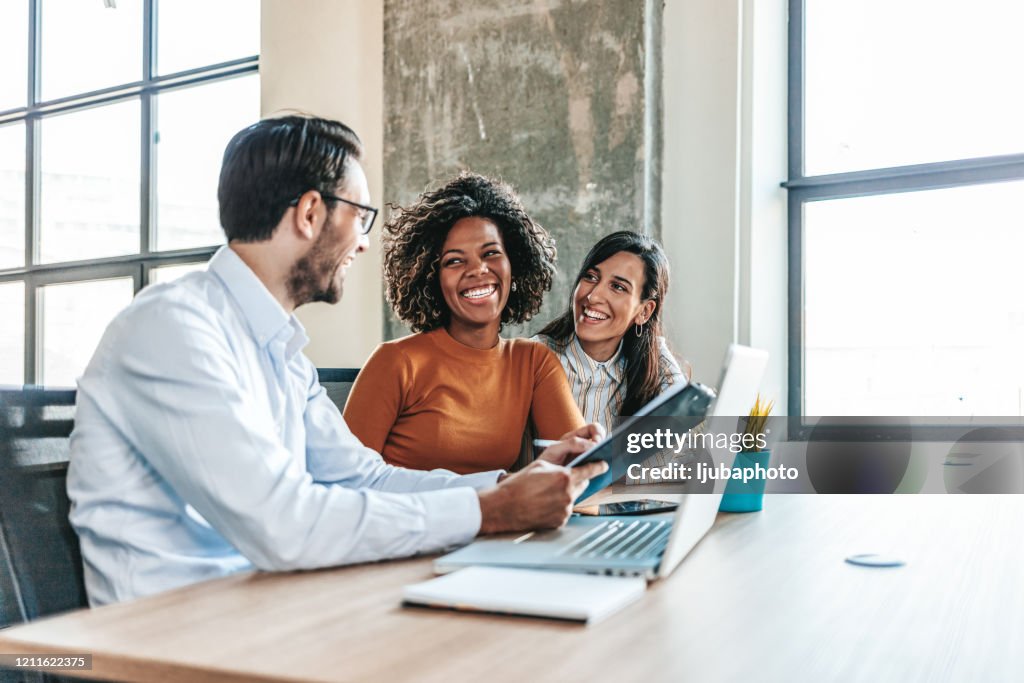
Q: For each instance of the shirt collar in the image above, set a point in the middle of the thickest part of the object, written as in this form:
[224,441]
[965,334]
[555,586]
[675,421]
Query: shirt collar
[583,364]
[266,318]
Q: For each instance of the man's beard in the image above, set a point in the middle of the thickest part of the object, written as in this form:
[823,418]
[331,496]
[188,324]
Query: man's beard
[312,278]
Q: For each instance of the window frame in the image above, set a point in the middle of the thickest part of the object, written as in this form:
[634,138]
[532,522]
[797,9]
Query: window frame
[138,265]
[802,189]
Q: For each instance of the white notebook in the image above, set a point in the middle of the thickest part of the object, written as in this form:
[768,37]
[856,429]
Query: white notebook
[533,592]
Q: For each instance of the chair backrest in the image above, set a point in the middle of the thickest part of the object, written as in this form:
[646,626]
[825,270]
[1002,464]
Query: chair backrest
[39,551]
[337,382]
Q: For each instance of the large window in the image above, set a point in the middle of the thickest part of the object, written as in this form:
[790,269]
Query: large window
[906,205]
[113,120]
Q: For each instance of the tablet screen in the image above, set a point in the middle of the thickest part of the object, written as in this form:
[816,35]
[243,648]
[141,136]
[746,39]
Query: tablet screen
[686,401]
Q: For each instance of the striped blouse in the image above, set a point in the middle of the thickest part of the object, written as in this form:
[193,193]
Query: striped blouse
[600,388]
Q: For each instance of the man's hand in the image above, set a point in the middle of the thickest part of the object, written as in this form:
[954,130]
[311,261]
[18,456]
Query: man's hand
[573,443]
[540,496]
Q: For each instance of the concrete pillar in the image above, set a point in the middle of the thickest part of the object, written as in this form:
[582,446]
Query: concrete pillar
[560,98]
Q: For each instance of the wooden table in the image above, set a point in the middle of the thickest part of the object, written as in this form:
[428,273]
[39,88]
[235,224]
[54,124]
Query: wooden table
[766,596]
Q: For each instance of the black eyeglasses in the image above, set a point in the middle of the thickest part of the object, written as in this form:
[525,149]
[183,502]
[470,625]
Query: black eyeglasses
[368,213]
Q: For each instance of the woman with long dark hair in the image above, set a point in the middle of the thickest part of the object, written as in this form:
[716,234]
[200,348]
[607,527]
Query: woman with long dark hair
[610,341]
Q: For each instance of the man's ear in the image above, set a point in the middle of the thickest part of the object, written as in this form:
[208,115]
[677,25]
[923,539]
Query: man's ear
[646,311]
[304,221]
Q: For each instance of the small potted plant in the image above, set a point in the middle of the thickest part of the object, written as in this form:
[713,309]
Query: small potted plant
[749,496]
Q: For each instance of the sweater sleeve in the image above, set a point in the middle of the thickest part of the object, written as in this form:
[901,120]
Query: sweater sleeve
[378,396]
[553,410]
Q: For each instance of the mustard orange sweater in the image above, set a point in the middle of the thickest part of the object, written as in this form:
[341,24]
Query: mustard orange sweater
[427,401]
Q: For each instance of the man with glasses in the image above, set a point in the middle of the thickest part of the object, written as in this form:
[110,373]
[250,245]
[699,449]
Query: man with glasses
[203,442]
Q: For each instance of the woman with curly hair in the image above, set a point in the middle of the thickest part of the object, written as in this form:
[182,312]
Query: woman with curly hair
[610,340]
[458,264]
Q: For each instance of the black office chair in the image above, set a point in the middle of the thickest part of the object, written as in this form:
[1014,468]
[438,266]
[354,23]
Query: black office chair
[40,559]
[337,382]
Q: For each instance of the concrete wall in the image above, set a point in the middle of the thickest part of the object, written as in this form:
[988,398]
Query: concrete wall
[326,57]
[552,96]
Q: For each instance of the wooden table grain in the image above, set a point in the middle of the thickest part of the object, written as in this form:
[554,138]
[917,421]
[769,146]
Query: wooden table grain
[765,596]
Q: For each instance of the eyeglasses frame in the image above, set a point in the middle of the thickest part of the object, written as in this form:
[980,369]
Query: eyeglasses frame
[371,211]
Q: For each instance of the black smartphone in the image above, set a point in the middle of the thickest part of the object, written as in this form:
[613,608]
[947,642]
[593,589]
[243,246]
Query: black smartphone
[629,507]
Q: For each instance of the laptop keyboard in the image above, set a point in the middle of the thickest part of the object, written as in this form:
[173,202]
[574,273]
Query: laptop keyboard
[617,539]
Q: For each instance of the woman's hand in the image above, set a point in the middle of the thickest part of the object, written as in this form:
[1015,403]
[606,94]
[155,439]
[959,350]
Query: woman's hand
[573,443]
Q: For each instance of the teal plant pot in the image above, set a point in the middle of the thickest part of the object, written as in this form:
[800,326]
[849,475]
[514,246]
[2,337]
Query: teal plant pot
[748,497]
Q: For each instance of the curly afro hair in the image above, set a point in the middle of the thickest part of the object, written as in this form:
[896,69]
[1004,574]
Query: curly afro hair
[412,242]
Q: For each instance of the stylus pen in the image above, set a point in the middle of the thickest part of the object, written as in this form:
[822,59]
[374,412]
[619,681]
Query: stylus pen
[544,443]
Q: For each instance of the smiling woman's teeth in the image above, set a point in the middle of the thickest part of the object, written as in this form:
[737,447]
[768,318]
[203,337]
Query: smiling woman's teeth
[478,293]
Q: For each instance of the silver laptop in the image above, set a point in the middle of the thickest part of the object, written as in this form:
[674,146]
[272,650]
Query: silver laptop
[650,546]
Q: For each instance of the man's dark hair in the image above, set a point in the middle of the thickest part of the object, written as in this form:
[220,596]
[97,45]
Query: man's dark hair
[274,161]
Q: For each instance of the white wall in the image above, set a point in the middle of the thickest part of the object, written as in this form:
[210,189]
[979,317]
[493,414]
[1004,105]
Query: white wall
[764,238]
[699,177]
[326,57]
[723,212]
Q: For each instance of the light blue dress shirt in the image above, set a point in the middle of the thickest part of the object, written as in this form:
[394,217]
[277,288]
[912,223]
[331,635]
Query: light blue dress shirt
[204,445]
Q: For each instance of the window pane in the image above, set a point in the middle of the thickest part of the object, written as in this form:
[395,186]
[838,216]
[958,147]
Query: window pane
[169,273]
[195,126]
[913,303]
[12,196]
[74,317]
[13,54]
[893,83]
[12,332]
[90,183]
[86,46]
[186,42]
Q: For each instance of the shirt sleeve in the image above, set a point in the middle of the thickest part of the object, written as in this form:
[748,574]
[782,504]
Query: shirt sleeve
[671,372]
[553,410]
[174,389]
[378,396]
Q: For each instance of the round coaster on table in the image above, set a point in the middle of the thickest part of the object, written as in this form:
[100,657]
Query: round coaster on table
[875,560]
